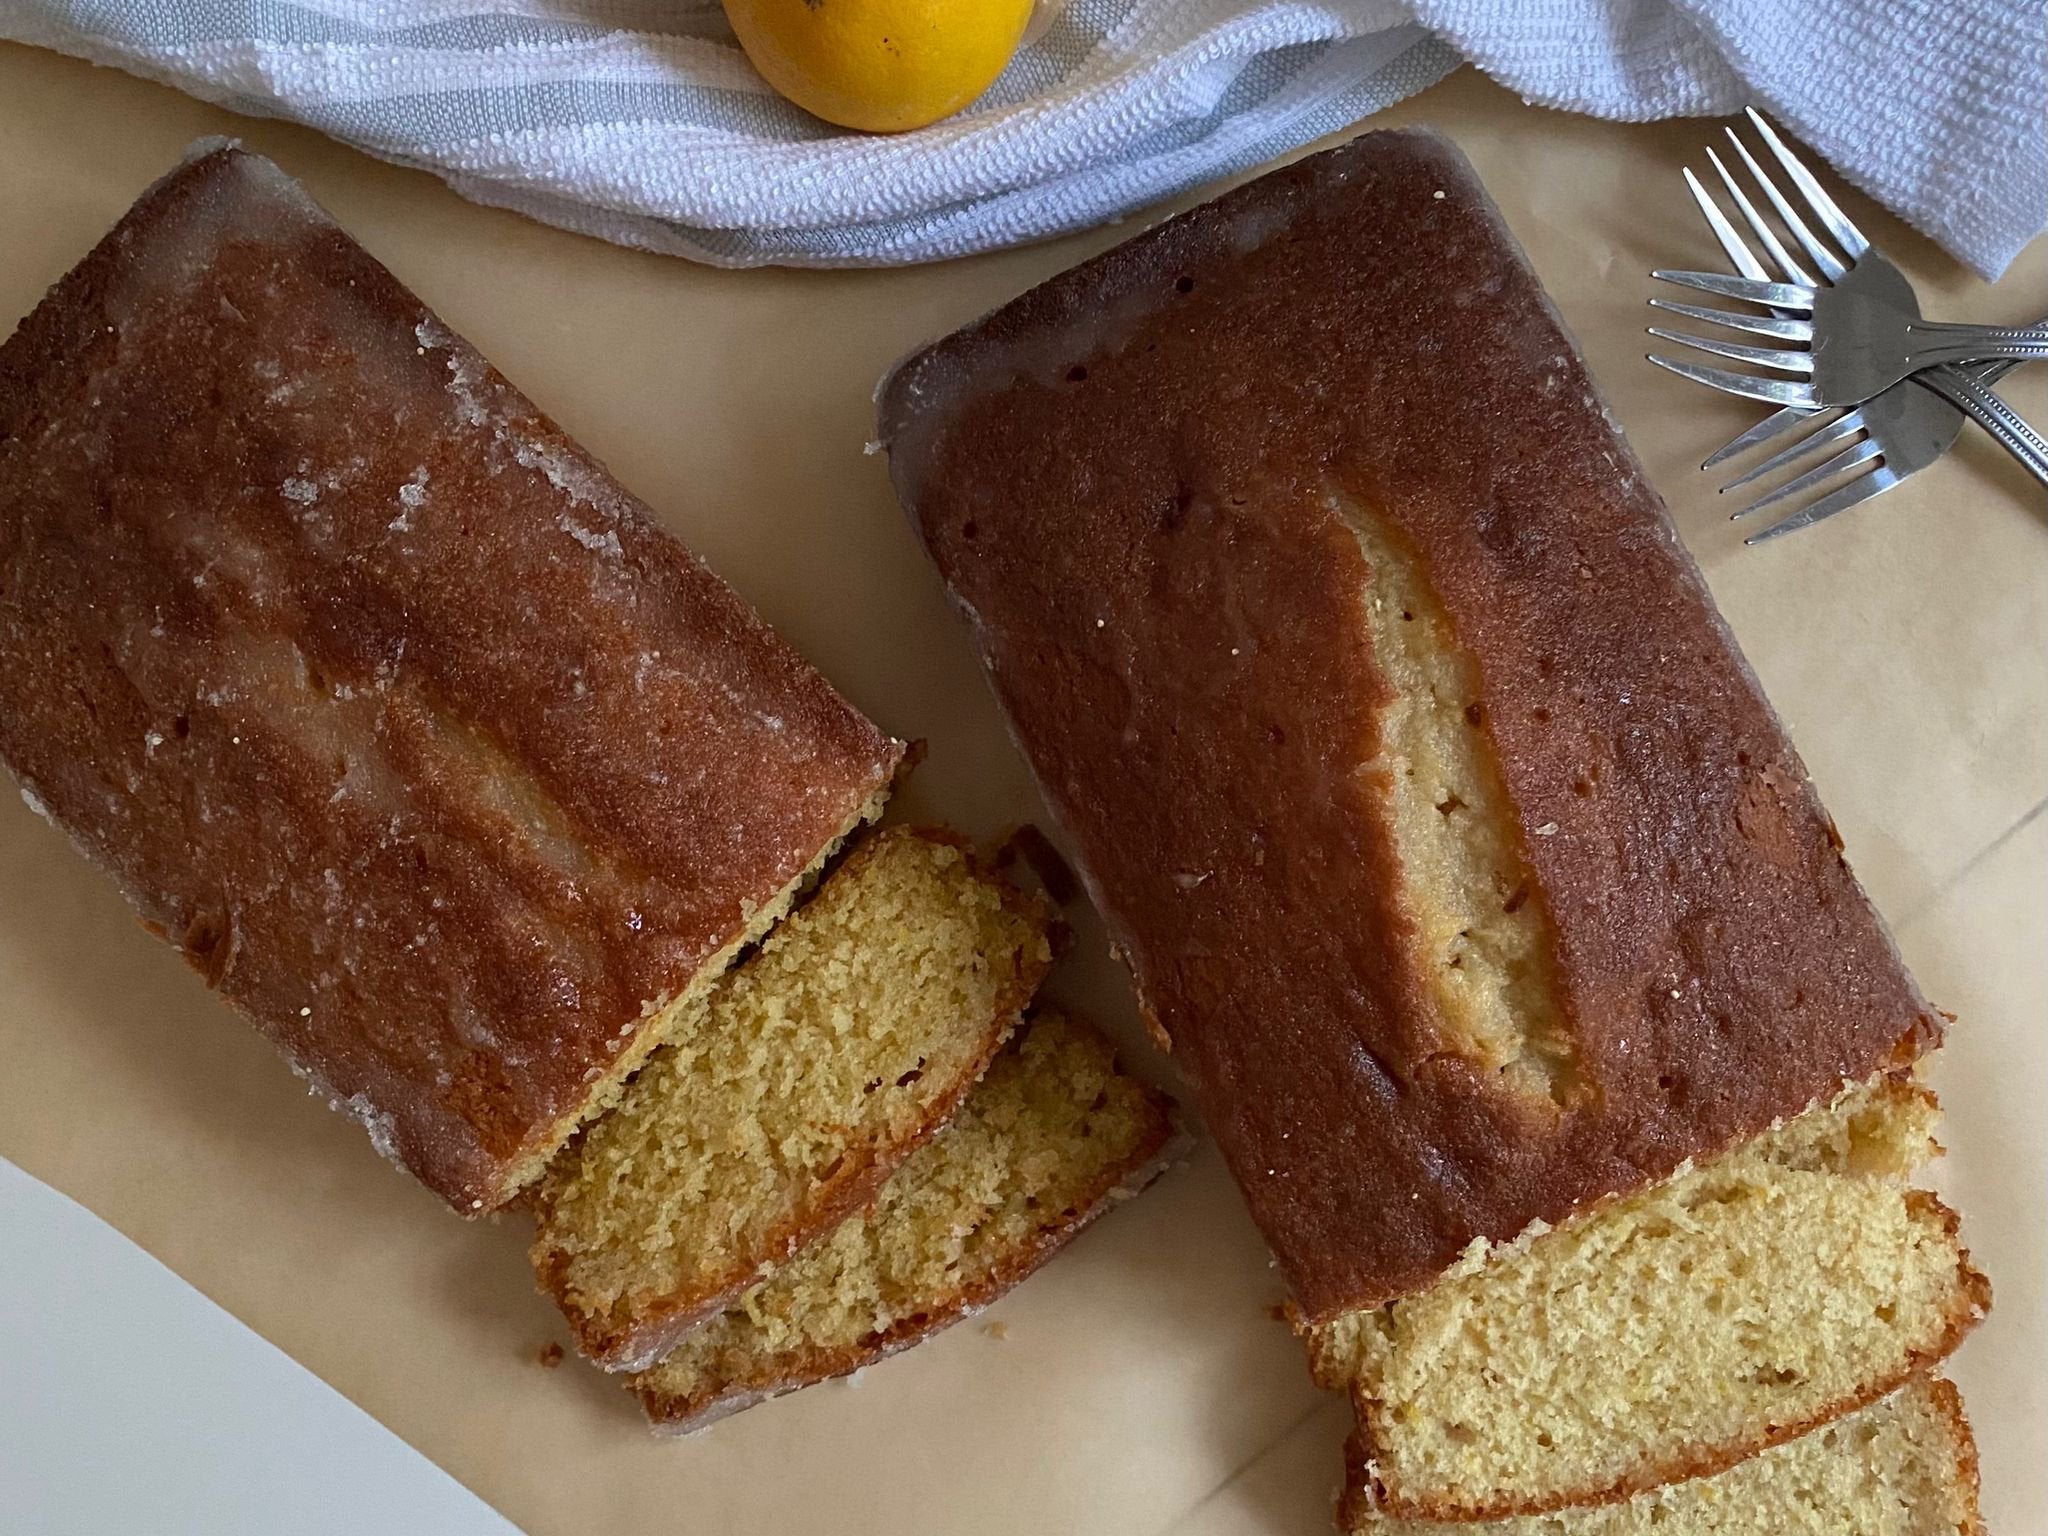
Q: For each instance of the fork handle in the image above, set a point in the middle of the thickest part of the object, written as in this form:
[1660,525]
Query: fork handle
[1935,342]
[1968,393]
[1986,374]
[1989,373]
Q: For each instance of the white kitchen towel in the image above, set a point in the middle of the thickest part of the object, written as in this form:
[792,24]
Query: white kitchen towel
[640,120]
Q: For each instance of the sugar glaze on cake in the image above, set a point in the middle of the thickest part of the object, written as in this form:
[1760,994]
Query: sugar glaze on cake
[377,695]
[1449,839]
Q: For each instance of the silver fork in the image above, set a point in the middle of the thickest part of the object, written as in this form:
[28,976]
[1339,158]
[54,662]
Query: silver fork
[1865,333]
[1859,340]
[1900,432]
[1859,307]
[1886,439]
[1861,280]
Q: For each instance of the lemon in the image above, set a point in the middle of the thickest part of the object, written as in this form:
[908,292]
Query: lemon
[879,65]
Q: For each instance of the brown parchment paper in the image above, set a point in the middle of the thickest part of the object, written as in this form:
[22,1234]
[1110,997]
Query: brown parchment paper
[1138,1385]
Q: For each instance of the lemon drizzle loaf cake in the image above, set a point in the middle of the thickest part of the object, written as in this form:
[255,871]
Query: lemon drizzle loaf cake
[376,694]
[1049,1140]
[1450,841]
[1905,1466]
[1668,1334]
[788,1094]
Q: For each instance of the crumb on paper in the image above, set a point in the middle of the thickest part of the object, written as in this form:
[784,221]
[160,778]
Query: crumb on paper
[550,1355]
[997,1329]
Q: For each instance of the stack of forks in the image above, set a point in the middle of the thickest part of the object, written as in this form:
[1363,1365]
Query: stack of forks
[1884,389]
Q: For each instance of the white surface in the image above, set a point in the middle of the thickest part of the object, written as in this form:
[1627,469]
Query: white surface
[639,120]
[131,1403]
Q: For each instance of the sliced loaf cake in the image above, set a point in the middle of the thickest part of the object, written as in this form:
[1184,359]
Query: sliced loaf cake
[1666,1335]
[1446,834]
[378,697]
[1451,842]
[1905,1466]
[782,1103]
[1050,1138]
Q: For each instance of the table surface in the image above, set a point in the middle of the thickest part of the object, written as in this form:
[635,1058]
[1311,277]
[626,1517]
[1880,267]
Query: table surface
[135,1404]
[1138,1385]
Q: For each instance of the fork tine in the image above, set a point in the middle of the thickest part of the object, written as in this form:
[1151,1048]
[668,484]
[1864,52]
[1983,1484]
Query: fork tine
[1846,234]
[1756,325]
[1848,458]
[1843,427]
[1829,263]
[1740,254]
[1784,359]
[1791,296]
[1764,232]
[1773,426]
[1861,489]
[1750,387]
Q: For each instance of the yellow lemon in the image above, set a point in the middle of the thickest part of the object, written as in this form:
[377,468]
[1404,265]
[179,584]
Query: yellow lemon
[880,65]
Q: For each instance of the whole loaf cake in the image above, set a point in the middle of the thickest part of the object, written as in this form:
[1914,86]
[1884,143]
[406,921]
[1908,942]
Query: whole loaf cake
[1448,837]
[377,695]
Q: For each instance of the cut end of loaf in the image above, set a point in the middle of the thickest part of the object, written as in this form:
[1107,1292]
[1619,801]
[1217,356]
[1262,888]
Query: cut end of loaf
[1904,1466]
[784,1098]
[657,1024]
[1044,1144]
[1669,1334]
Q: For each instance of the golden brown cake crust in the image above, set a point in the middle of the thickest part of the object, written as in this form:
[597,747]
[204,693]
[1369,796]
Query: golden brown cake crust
[376,694]
[1948,1402]
[679,1414]
[660,1323]
[761,1377]
[1125,479]
[621,1342]
[1358,1511]
[673,1413]
[1366,1495]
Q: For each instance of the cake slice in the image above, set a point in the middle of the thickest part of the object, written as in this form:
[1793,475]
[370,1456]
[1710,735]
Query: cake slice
[377,695]
[1666,1335]
[1905,1466]
[784,1099]
[1050,1139]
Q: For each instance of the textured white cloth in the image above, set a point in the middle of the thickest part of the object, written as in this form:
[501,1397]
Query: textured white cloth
[640,121]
